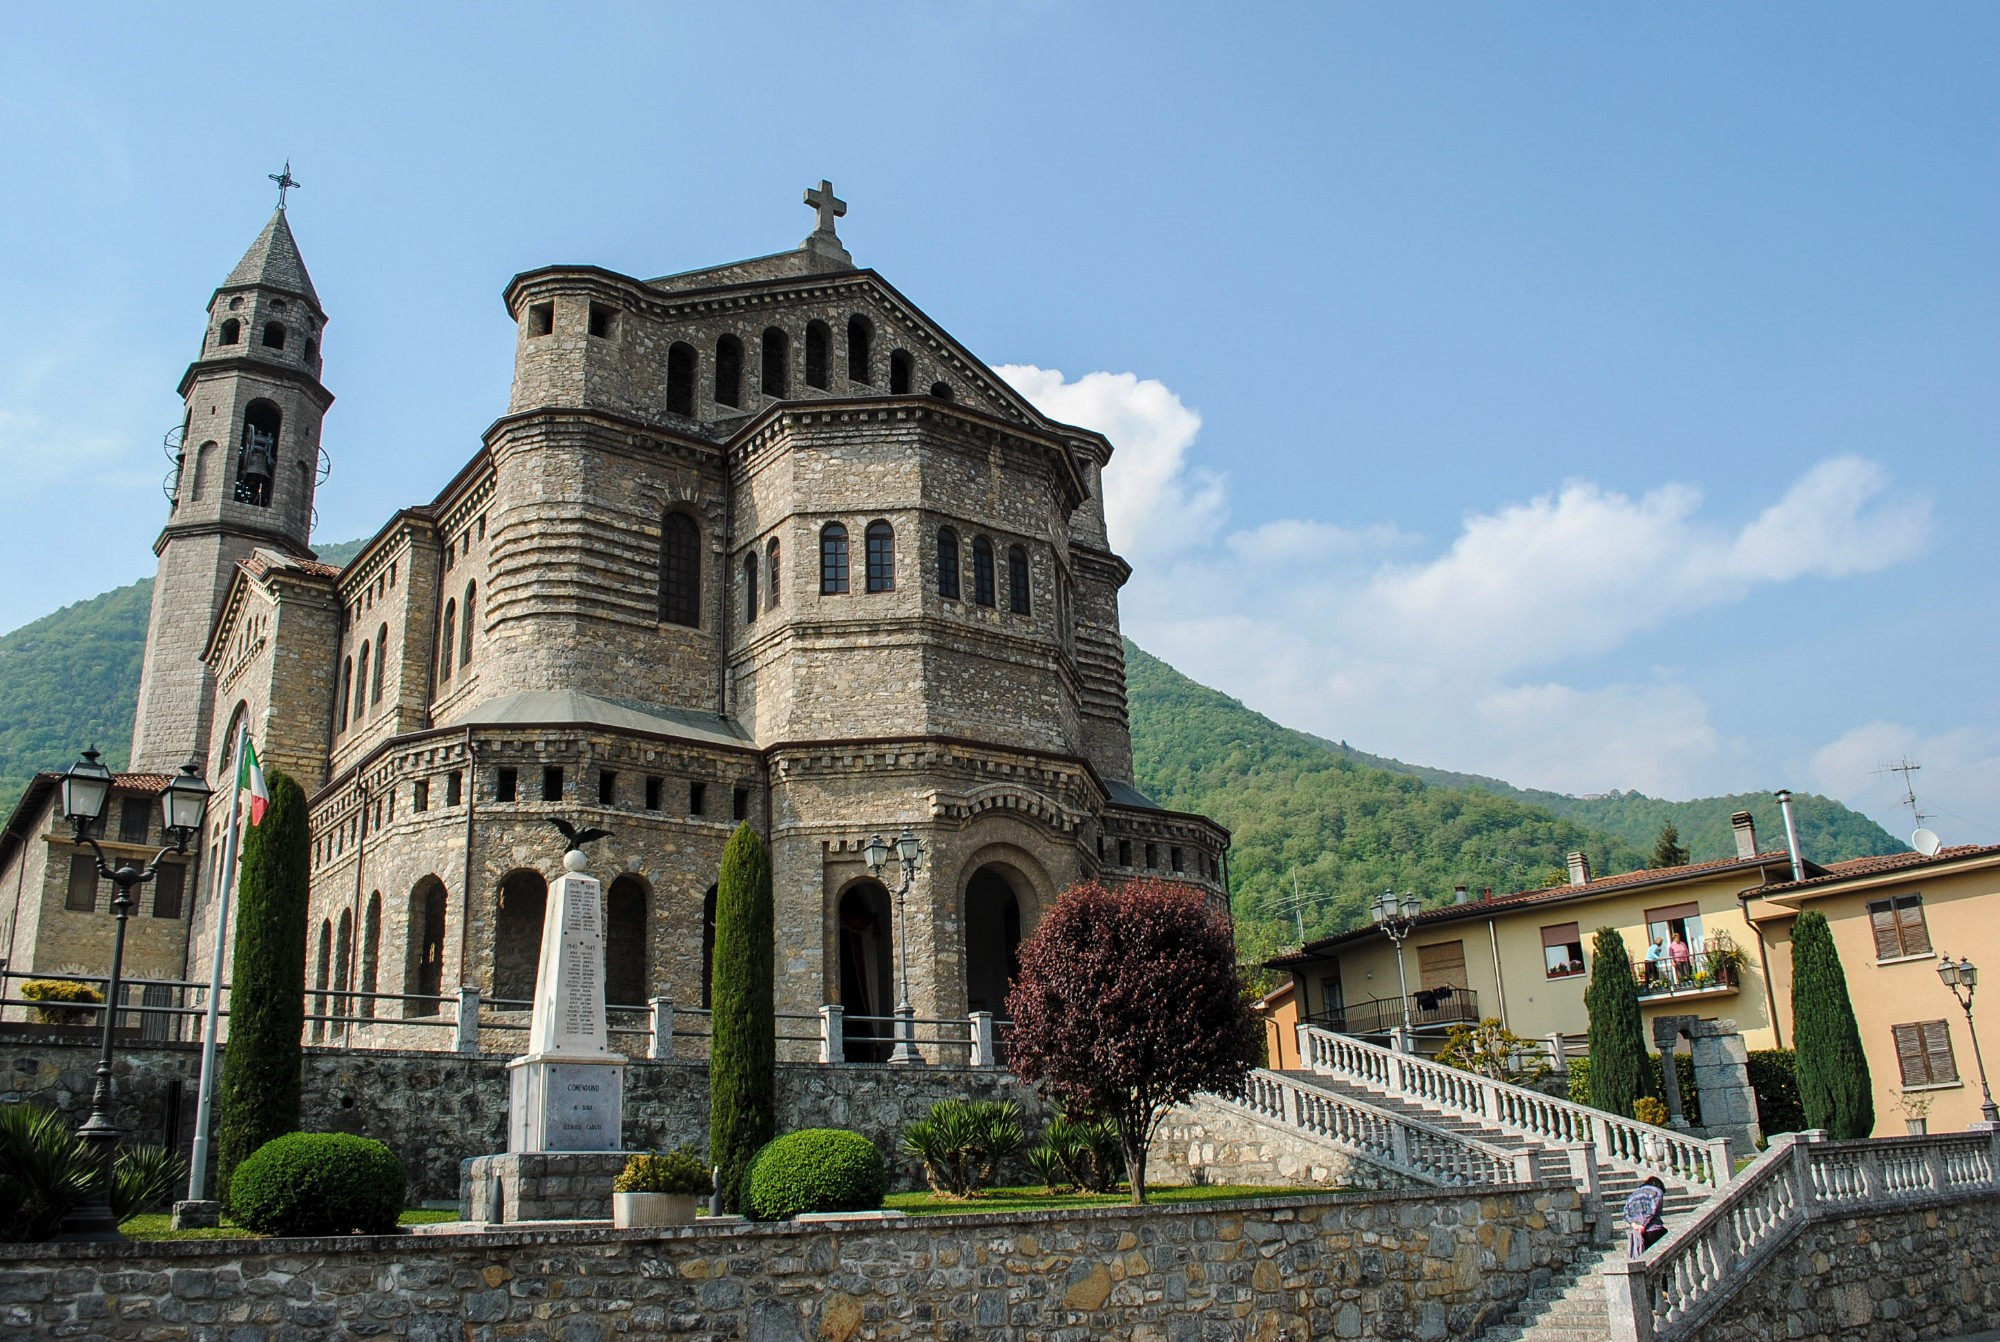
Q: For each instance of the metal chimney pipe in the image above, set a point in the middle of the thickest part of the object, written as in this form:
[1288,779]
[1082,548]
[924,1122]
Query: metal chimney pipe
[1791,833]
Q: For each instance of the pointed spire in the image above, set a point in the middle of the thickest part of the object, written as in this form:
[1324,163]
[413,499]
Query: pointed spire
[273,261]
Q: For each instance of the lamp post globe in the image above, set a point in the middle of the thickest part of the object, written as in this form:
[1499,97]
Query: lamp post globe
[86,790]
[1963,979]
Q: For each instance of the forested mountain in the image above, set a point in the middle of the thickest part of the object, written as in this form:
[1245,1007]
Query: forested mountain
[1344,824]
[1348,825]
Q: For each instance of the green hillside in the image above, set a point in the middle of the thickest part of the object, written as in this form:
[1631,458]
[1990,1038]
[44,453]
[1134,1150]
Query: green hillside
[1350,825]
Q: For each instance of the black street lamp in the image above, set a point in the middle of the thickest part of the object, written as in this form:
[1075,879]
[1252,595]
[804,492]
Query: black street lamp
[1962,978]
[909,852]
[86,788]
[1396,917]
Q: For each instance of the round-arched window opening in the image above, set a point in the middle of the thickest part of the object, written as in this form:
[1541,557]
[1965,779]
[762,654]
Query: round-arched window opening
[942,391]
[274,335]
[312,350]
[231,332]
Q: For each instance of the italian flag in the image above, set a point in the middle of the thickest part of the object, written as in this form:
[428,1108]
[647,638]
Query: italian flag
[250,778]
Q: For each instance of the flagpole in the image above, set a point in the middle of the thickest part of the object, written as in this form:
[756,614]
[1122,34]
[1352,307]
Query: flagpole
[204,1102]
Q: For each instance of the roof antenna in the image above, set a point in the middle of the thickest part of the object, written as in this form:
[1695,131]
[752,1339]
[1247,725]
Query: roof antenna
[1924,840]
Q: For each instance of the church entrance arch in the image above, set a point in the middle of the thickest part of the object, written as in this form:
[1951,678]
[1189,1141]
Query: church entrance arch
[992,940]
[517,936]
[861,927]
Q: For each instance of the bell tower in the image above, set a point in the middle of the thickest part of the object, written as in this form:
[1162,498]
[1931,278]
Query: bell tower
[248,464]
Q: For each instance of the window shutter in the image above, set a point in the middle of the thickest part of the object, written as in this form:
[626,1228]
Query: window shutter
[1910,1055]
[1888,945]
[1916,935]
[1442,966]
[1942,1065]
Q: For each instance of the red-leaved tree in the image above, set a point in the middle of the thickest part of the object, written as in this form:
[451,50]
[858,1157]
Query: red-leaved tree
[1127,1003]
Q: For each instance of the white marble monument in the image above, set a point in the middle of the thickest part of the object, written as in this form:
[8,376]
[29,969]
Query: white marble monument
[568,1092]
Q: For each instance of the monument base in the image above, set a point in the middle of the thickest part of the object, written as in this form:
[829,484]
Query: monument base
[565,1102]
[538,1186]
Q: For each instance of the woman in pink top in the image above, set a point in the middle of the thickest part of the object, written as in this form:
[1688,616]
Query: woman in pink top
[1683,960]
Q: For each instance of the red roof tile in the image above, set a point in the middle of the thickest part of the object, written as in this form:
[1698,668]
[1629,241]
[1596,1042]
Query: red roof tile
[1871,866]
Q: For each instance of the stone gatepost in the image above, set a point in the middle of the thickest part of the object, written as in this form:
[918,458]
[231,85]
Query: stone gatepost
[1721,1077]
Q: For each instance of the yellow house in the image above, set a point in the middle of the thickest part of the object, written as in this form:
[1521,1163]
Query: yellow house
[1893,918]
[1525,958]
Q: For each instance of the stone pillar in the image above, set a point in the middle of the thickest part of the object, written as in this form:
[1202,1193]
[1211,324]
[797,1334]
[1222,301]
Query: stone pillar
[1628,1300]
[1722,1078]
[1558,1054]
[1400,1041]
[1667,1032]
[832,1033]
[982,1040]
[468,1018]
[660,1044]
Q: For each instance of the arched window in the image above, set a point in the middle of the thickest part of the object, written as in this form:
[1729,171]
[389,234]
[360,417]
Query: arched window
[982,571]
[771,584]
[942,391]
[423,967]
[881,557]
[204,470]
[750,588]
[832,559]
[450,631]
[729,371]
[257,457]
[819,354]
[522,899]
[947,560]
[361,686]
[346,696]
[708,950]
[274,335]
[866,952]
[381,661]
[859,334]
[343,961]
[777,361]
[320,976]
[902,369]
[371,954]
[625,943]
[232,331]
[680,571]
[1017,580]
[312,351]
[466,625]
[680,379]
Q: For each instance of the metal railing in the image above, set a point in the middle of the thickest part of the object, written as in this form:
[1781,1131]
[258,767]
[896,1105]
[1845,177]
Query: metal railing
[1699,1162]
[1434,1155]
[1671,1291]
[1427,1009]
[1712,966]
[154,1009]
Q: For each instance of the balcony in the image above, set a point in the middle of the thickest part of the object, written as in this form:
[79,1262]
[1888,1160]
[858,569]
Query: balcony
[1430,1009]
[1714,967]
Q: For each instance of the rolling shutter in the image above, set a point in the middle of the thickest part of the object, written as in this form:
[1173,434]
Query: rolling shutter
[1442,965]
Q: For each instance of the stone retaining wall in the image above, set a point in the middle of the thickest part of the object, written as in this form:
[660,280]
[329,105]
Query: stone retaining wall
[1208,1141]
[1894,1277]
[1398,1265]
[437,1109]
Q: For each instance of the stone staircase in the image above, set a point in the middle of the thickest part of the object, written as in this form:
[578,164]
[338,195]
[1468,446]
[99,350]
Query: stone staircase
[1569,1309]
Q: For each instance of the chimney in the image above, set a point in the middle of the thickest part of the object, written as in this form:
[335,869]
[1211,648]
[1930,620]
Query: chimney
[1485,892]
[1579,869]
[1458,894]
[1746,834]
[1784,796]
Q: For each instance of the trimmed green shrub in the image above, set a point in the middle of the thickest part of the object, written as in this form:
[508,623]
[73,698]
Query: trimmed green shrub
[261,1068]
[1834,1089]
[1618,1072]
[814,1170]
[1774,1075]
[962,1143]
[743,1052]
[55,992]
[678,1171]
[1579,1081]
[319,1183]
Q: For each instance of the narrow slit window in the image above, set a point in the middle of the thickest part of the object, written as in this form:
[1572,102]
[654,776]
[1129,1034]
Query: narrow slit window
[771,586]
[819,354]
[777,348]
[680,379]
[506,784]
[654,786]
[750,588]
[552,782]
[860,333]
[729,371]
[697,799]
[607,787]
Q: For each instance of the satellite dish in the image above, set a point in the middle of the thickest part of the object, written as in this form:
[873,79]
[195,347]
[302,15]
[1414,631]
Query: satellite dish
[1926,842]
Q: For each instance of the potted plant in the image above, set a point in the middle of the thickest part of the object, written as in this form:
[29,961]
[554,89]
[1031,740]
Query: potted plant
[659,1190]
[1916,1108]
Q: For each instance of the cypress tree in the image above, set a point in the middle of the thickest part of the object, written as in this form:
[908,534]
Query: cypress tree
[1834,1088]
[259,1096]
[1619,1073]
[743,1050]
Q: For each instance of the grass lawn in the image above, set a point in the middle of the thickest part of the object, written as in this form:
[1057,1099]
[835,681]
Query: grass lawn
[1036,1199]
[158,1225]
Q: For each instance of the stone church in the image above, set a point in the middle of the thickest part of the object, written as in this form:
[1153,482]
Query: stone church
[757,542]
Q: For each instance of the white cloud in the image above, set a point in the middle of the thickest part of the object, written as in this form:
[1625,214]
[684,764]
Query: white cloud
[1957,787]
[1456,657]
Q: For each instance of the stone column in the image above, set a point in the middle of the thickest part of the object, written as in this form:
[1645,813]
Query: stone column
[1722,1078]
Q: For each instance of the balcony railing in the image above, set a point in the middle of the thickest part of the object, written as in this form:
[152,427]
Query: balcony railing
[1431,1008]
[1712,966]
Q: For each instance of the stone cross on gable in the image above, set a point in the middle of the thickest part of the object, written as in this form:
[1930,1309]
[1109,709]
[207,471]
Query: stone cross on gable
[830,206]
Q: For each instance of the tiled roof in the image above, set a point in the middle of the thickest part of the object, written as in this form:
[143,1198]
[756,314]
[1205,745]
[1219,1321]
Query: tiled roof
[1835,872]
[274,261]
[261,563]
[140,782]
[1554,894]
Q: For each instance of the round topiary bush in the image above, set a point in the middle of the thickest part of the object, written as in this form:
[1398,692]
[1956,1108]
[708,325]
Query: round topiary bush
[319,1183]
[814,1170]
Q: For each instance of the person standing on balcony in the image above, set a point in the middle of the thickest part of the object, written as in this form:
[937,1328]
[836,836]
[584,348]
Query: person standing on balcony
[1683,959]
[1656,961]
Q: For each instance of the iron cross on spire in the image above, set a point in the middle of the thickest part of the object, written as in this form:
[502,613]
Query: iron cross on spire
[830,206]
[285,182]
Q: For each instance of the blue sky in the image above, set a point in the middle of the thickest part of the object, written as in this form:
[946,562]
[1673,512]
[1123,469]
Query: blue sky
[1593,396]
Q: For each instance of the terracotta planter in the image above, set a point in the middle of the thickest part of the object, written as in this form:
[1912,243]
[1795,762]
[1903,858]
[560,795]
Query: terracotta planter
[634,1211]
[1917,1127]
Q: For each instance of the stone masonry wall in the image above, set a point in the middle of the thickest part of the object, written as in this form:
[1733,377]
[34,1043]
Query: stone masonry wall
[1896,1277]
[1207,1141]
[437,1109]
[1425,1266]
